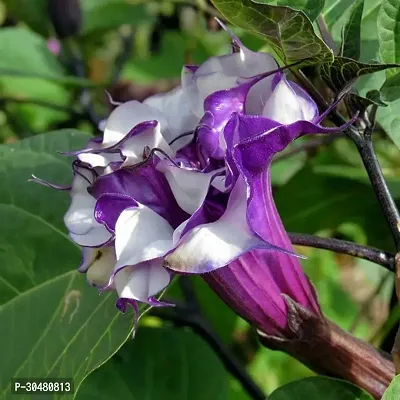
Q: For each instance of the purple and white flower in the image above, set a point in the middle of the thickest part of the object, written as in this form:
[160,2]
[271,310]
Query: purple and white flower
[181,184]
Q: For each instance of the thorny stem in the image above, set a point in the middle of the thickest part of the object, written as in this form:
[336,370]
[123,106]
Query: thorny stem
[345,247]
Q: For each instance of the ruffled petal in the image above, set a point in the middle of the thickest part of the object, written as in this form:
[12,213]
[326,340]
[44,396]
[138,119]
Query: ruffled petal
[288,103]
[141,235]
[110,206]
[79,219]
[211,246]
[142,281]
[188,186]
[97,237]
[175,106]
[145,185]
[125,117]
[225,72]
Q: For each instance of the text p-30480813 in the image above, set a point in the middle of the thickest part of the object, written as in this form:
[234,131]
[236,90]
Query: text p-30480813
[42,385]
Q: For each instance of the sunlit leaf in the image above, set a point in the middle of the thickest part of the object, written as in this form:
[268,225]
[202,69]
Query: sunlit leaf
[344,71]
[311,8]
[393,391]
[289,33]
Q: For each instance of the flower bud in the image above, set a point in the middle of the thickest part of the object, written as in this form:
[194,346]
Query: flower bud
[66,17]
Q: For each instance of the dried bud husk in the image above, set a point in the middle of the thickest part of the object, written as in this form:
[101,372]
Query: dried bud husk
[66,17]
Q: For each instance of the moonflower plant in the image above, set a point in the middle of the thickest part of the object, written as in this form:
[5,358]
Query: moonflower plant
[180,184]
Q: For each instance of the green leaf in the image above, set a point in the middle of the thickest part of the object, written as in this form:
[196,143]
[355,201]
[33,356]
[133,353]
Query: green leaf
[389,32]
[311,202]
[167,364]
[393,391]
[33,13]
[311,8]
[103,15]
[344,71]
[351,34]
[52,323]
[389,119]
[289,33]
[390,90]
[316,388]
[25,51]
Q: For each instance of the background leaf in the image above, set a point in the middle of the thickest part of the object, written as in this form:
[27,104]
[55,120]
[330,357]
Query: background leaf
[393,391]
[351,34]
[52,323]
[158,364]
[389,32]
[344,71]
[33,13]
[390,91]
[289,33]
[317,388]
[102,15]
[311,8]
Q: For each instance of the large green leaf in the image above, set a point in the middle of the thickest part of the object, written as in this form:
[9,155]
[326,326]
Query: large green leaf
[52,323]
[289,32]
[393,391]
[167,364]
[316,388]
[344,71]
[351,34]
[311,8]
[389,32]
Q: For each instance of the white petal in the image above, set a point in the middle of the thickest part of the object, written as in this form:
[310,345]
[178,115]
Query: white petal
[219,183]
[286,106]
[102,266]
[97,236]
[79,218]
[133,147]
[141,235]
[224,72]
[99,160]
[214,245]
[127,116]
[189,187]
[142,281]
[102,125]
[176,108]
